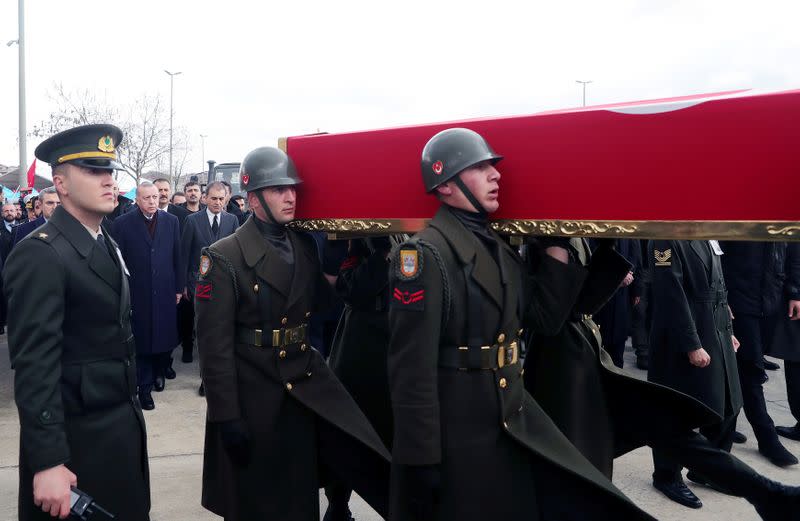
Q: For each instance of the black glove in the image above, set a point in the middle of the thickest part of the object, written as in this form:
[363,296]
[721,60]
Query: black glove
[236,441]
[423,485]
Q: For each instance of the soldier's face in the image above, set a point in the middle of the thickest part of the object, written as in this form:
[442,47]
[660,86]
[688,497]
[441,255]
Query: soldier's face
[49,204]
[483,180]
[281,201]
[163,193]
[85,189]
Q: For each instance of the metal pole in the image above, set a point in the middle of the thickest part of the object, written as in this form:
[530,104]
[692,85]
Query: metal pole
[584,89]
[203,149]
[171,78]
[23,131]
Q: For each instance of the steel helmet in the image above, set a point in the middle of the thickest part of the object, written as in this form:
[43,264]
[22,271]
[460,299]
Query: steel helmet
[452,151]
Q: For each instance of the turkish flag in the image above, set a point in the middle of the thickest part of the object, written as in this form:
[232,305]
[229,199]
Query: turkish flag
[31,174]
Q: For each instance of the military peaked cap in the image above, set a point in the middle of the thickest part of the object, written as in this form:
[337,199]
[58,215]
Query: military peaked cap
[91,146]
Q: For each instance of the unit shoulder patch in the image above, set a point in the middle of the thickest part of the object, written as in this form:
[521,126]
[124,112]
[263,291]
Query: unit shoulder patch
[205,264]
[202,291]
[408,263]
[663,258]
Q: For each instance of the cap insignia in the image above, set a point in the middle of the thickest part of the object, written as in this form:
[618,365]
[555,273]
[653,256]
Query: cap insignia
[438,167]
[245,179]
[106,144]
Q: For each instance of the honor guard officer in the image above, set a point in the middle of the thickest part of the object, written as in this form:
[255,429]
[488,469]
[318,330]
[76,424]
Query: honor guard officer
[276,412]
[71,344]
[458,306]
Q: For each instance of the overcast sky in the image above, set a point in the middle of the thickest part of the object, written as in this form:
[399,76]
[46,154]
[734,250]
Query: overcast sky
[255,71]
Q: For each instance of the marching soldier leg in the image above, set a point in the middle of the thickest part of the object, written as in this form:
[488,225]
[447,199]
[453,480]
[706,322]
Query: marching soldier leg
[353,465]
[793,393]
[728,474]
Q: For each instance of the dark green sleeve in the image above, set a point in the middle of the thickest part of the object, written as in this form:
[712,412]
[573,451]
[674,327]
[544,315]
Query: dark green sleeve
[215,326]
[669,297]
[35,285]
[414,330]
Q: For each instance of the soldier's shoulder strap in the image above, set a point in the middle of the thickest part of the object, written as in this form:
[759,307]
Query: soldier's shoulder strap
[211,259]
[407,263]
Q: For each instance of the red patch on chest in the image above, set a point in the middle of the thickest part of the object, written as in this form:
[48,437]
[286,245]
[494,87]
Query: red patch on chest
[202,291]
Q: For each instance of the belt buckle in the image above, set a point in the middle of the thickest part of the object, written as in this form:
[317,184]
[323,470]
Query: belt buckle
[257,338]
[507,354]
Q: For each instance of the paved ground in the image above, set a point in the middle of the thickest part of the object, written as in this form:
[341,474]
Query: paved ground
[175,431]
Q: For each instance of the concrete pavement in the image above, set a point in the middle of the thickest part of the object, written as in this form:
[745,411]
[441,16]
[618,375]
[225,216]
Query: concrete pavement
[175,438]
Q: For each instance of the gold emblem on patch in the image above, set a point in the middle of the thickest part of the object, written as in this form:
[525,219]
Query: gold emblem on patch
[106,144]
[42,235]
[663,257]
[205,265]
[409,262]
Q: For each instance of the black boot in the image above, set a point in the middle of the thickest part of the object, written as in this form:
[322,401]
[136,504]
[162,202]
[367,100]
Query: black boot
[678,492]
[793,432]
[776,502]
[776,453]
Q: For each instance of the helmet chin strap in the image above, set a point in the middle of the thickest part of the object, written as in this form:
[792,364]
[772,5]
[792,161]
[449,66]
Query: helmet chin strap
[260,197]
[471,198]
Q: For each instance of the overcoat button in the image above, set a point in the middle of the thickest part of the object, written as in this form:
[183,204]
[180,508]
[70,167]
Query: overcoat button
[255,288]
[308,314]
[503,383]
[46,415]
[501,338]
[505,424]
[303,347]
[282,354]
[519,333]
[284,320]
[288,387]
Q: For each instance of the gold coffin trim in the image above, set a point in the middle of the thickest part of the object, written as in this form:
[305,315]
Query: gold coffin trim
[723,230]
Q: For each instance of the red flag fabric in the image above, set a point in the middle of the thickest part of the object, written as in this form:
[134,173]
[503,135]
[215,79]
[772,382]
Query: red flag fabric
[31,174]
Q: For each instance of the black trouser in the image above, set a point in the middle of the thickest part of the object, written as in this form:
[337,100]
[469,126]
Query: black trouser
[754,333]
[150,366]
[708,454]
[793,387]
[186,323]
[351,466]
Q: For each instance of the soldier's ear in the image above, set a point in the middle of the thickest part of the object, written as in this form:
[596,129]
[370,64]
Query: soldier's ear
[444,189]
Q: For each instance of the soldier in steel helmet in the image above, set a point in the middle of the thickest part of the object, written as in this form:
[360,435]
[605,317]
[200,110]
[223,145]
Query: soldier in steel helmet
[469,442]
[71,344]
[279,422]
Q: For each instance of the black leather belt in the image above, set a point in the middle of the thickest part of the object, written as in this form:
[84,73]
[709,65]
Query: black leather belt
[274,338]
[479,357]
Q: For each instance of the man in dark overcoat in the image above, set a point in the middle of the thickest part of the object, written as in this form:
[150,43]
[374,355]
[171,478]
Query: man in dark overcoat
[606,412]
[692,345]
[785,341]
[459,301]
[754,275]
[279,422]
[71,346]
[149,239]
[358,354]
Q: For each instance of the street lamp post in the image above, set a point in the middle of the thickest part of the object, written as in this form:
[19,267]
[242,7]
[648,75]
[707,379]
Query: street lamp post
[171,78]
[23,131]
[584,89]
[203,149]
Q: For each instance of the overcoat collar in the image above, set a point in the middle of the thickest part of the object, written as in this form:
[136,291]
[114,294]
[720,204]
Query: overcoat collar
[259,254]
[702,250]
[467,247]
[79,237]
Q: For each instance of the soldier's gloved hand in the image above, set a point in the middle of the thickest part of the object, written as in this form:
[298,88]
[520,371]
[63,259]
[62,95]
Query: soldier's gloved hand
[424,483]
[236,440]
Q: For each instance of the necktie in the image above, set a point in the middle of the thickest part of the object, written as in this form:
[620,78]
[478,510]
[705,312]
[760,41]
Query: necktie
[215,227]
[101,241]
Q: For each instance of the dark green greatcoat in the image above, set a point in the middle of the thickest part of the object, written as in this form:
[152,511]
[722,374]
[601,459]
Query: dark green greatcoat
[358,355]
[603,410]
[281,400]
[499,454]
[690,310]
[73,357]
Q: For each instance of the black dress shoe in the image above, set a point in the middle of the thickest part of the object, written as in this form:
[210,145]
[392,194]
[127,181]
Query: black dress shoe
[738,437]
[187,357]
[678,492]
[158,384]
[146,400]
[202,390]
[338,514]
[777,454]
[774,501]
[793,433]
[696,478]
[169,372]
[769,365]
